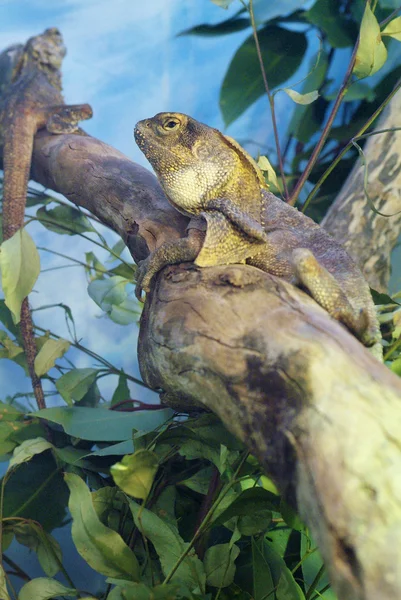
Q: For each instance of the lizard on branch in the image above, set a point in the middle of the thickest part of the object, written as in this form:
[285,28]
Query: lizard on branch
[234,218]
[30,101]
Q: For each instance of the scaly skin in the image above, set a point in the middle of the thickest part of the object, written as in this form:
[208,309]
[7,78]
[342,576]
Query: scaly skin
[31,100]
[210,177]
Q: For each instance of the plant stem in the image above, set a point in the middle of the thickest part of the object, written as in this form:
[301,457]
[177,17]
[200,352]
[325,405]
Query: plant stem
[98,358]
[314,156]
[207,518]
[359,134]
[270,98]
[17,570]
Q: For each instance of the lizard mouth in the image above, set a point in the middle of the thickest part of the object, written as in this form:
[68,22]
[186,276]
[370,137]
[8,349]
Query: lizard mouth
[139,136]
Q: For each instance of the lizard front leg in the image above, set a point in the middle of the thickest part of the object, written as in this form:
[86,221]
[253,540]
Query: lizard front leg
[245,222]
[170,253]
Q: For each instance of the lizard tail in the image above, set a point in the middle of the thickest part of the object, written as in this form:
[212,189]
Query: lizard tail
[18,145]
[28,340]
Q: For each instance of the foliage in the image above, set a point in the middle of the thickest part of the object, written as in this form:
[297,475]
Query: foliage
[164,506]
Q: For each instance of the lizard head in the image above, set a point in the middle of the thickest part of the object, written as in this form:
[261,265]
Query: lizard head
[192,161]
[173,139]
[46,50]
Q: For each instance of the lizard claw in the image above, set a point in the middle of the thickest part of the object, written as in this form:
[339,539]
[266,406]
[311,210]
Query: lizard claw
[143,279]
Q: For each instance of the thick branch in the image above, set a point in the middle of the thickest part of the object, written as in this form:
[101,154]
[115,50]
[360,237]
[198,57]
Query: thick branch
[122,194]
[367,236]
[319,411]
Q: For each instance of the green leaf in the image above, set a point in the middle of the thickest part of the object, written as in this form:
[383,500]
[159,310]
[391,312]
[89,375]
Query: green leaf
[287,588]
[27,449]
[265,165]
[43,588]
[74,384]
[393,29]
[107,292]
[290,516]
[307,119]
[37,491]
[48,354]
[102,548]
[222,3]
[135,473]
[20,267]
[282,52]
[125,313]
[358,90]
[263,584]
[219,564]
[100,424]
[371,54]
[396,366]
[255,522]
[126,447]
[10,350]
[121,392]
[381,298]
[7,320]
[248,502]
[326,15]
[304,99]
[312,564]
[3,585]
[64,219]
[169,546]
[48,550]
[231,25]
[127,590]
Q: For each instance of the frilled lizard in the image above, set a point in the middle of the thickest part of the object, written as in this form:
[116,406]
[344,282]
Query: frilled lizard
[30,101]
[208,176]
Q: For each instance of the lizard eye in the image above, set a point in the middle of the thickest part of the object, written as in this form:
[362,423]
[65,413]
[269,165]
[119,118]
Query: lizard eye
[171,123]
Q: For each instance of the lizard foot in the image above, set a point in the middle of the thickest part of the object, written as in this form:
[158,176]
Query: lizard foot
[65,119]
[144,276]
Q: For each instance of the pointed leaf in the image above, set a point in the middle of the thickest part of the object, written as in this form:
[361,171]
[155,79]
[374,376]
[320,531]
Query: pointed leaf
[100,424]
[125,313]
[27,449]
[107,292]
[371,54]
[122,390]
[43,588]
[135,473]
[20,267]
[393,29]
[282,52]
[307,98]
[48,354]
[169,546]
[64,219]
[74,384]
[3,586]
[222,3]
[102,548]
[265,165]
[219,564]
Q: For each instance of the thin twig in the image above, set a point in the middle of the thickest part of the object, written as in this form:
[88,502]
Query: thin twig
[314,156]
[270,97]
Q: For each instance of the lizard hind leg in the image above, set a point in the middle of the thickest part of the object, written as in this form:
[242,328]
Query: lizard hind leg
[326,290]
[65,118]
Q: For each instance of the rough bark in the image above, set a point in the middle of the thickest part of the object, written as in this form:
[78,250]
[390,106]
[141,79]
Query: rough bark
[367,236]
[319,411]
